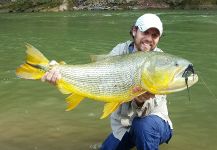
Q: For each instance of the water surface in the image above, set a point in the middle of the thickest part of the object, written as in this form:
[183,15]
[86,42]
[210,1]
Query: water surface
[32,113]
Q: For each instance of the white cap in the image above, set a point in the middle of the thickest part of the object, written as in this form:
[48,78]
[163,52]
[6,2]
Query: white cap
[148,21]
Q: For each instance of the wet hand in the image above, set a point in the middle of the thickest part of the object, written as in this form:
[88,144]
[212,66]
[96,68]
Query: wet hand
[52,75]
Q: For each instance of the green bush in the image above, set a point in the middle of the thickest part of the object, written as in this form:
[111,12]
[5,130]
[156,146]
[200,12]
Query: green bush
[22,5]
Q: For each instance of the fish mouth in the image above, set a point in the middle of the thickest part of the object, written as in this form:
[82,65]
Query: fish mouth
[188,73]
[184,78]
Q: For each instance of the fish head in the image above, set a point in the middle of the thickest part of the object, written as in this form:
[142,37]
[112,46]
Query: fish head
[164,73]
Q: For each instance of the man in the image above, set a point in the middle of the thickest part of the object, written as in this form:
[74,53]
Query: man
[144,121]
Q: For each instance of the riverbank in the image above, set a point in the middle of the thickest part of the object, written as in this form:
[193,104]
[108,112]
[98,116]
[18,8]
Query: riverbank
[73,5]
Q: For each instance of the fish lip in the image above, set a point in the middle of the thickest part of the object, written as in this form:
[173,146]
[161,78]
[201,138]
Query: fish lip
[185,72]
[192,79]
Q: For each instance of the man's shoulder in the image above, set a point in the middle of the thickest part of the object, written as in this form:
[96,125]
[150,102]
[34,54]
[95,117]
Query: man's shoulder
[121,48]
[124,43]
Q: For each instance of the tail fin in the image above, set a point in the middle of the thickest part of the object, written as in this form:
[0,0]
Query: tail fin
[34,58]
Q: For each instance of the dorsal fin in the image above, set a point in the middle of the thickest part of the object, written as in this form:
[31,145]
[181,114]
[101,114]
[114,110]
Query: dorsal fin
[95,58]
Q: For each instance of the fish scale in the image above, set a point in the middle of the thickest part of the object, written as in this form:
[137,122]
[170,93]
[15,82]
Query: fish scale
[102,79]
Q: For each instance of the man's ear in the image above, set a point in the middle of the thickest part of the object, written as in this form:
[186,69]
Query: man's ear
[134,33]
[134,30]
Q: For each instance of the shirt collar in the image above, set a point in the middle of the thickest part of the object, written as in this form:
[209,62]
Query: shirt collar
[131,47]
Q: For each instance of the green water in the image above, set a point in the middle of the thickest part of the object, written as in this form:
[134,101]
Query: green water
[32,115]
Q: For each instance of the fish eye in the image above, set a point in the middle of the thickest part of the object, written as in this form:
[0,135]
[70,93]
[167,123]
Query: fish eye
[176,64]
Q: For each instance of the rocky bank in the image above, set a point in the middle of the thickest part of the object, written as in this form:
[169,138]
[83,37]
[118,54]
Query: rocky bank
[71,5]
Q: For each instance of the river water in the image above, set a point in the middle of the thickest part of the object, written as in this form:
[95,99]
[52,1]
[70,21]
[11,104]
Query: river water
[32,113]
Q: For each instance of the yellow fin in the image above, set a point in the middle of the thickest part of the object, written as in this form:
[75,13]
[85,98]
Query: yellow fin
[73,101]
[32,69]
[95,58]
[64,87]
[34,56]
[28,72]
[62,63]
[109,108]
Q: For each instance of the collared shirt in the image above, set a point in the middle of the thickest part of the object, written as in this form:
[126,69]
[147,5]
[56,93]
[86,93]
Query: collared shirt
[122,118]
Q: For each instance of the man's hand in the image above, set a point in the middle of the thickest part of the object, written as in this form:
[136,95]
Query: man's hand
[51,76]
[142,98]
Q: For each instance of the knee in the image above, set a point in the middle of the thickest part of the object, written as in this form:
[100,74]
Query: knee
[145,133]
[137,123]
[145,125]
[142,123]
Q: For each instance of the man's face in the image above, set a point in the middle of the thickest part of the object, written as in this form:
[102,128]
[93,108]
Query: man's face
[146,41]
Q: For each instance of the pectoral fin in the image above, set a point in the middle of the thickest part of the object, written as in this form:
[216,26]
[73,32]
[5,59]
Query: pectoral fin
[109,108]
[73,101]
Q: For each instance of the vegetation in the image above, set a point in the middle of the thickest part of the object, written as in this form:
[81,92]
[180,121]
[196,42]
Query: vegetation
[23,5]
[39,5]
[190,3]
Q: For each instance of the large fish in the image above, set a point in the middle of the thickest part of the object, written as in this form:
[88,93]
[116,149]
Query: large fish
[112,79]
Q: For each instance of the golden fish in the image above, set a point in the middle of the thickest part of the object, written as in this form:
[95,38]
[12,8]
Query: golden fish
[112,79]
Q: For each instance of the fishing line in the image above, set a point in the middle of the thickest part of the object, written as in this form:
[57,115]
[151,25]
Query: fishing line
[210,91]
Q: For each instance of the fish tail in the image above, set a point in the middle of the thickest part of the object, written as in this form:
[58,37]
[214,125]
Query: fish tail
[32,68]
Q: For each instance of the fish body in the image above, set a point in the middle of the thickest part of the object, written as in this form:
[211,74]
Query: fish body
[112,79]
[109,80]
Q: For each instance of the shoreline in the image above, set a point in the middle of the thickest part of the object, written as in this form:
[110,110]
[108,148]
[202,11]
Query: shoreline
[66,6]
